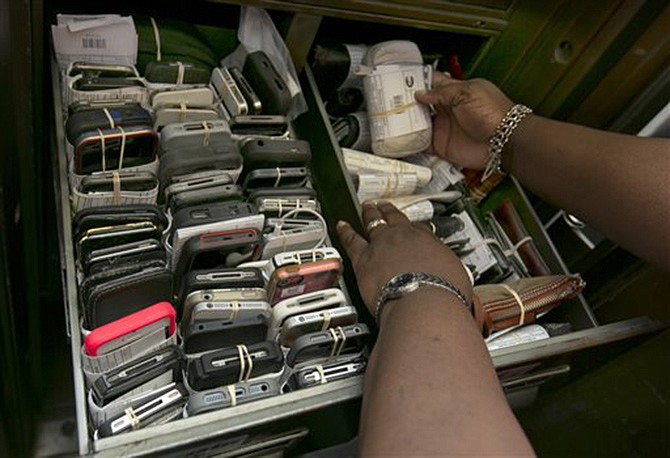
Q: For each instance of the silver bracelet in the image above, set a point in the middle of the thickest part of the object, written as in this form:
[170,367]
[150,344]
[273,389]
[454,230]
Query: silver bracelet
[501,136]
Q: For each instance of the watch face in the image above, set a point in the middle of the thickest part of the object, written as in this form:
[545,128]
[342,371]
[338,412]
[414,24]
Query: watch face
[403,282]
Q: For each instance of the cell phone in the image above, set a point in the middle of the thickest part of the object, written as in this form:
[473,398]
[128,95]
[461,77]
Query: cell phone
[170,113]
[273,207]
[288,258]
[254,103]
[305,323]
[104,70]
[220,295]
[169,72]
[294,280]
[139,145]
[229,92]
[283,193]
[187,162]
[152,249]
[219,249]
[285,177]
[291,234]
[230,311]
[220,397]
[226,278]
[128,181]
[327,299]
[229,365]
[324,373]
[124,115]
[109,216]
[268,83]
[109,236]
[130,328]
[164,365]
[261,153]
[199,97]
[85,105]
[198,184]
[158,409]
[267,125]
[347,340]
[88,82]
[187,135]
[204,336]
[205,195]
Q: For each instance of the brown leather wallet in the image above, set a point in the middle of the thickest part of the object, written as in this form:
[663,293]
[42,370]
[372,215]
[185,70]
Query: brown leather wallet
[522,301]
[511,223]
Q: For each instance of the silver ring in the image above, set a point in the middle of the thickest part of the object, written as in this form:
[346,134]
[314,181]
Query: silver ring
[375,223]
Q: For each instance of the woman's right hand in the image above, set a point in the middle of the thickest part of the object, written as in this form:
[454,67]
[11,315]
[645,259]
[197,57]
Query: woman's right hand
[468,113]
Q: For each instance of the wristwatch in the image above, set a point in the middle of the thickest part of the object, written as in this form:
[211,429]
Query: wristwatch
[408,282]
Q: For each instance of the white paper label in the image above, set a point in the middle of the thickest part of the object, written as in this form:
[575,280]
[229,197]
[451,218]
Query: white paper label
[522,335]
[482,257]
[377,185]
[445,174]
[392,109]
[360,162]
[108,39]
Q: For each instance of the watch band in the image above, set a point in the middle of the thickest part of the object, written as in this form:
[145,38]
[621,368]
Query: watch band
[403,284]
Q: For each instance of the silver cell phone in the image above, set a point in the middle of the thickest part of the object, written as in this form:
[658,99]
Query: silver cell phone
[201,97]
[347,340]
[126,249]
[162,326]
[255,105]
[219,398]
[232,310]
[320,320]
[209,181]
[221,295]
[186,135]
[145,413]
[276,207]
[302,256]
[319,374]
[302,236]
[168,114]
[229,92]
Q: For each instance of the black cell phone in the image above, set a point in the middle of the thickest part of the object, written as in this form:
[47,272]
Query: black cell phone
[254,103]
[138,143]
[210,213]
[168,72]
[341,341]
[223,367]
[261,153]
[111,385]
[282,193]
[284,177]
[141,250]
[182,162]
[268,83]
[270,125]
[222,278]
[104,237]
[129,181]
[103,70]
[224,193]
[215,334]
[97,275]
[100,83]
[83,120]
[115,215]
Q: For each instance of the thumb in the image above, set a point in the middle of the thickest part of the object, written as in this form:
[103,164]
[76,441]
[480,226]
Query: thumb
[446,96]
[428,97]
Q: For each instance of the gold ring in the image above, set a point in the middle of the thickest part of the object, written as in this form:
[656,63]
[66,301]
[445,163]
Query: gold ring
[375,223]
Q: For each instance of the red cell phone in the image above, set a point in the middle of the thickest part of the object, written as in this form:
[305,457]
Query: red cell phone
[130,328]
[293,280]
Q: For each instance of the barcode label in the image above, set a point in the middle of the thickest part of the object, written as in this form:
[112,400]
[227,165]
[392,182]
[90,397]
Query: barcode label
[398,101]
[94,43]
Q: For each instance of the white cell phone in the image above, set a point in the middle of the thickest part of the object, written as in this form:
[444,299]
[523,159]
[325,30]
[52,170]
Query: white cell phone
[231,310]
[201,97]
[168,114]
[288,258]
[292,236]
[226,295]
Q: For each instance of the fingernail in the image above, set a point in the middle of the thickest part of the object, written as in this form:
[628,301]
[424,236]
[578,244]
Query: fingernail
[341,224]
[420,92]
[369,204]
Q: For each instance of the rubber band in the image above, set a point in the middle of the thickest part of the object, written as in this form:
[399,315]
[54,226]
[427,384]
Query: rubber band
[157,39]
[433,228]
[322,377]
[243,362]
[123,147]
[326,320]
[134,421]
[116,182]
[314,255]
[276,185]
[109,118]
[205,138]
[343,339]
[102,150]
[233,395]
[394,111]
[336,339]
[236,309]
[180,73]
[518,300]
[182,112]
[280,207]
[518,244]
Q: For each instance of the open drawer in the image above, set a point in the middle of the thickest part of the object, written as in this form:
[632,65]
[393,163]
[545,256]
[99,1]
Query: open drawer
[585,347]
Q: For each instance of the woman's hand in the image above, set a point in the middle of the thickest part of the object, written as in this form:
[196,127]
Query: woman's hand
[468,113]
[394,248]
